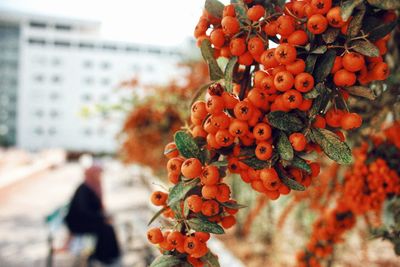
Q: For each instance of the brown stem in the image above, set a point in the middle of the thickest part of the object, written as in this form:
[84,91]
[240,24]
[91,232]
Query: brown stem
[244,83]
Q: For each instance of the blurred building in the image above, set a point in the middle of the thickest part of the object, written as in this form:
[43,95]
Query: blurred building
[50,68]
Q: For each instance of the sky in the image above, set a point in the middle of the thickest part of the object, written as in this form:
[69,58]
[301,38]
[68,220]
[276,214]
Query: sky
[159,22]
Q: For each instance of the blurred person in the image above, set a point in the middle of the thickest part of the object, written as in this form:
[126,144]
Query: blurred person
[86,215]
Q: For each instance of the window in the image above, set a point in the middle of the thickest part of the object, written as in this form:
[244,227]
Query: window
[38,130]
[86,45]
[105,82]
[87,64]
[56,79]
[62,43]
[86,97]
[109,47]
[88,80]
[52,131]
[54,96]
[132,48]
[39,113]
[54,113]
[63,27]
[105,65]
[38,78]
[35,24]
[154,51]
[87,132]
[56,62]
[35,41]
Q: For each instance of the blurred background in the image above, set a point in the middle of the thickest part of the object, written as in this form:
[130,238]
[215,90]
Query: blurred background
[109,82]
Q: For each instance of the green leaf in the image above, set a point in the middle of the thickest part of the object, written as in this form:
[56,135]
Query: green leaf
[381,30]
[288,181]
[255,163]
[240,10]
[186,145]
[324,65]
[214,7]
[332,146]
[179,191]
[347,8]
[301,164]
[311,94]
[166,261]
[203,225]
[229,73]
[186,209]
[155,216]
[356,23]
[330,35]
[361,91]
[210,260]
[310,63]
[365,48]
[208,54]
[319,50]
[285,121]
[285,149]
[385,4]
[233,205]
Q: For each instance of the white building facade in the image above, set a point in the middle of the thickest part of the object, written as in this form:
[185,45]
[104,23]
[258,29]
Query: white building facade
[60,66]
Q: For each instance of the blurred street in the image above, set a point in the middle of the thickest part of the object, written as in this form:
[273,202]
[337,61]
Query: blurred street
[24,206]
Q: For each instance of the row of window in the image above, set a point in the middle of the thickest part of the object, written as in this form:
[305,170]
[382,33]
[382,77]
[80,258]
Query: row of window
[53,131]
[108,47]
[43,25]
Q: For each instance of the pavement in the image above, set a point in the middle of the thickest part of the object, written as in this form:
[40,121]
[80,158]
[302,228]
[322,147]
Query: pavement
[24,206]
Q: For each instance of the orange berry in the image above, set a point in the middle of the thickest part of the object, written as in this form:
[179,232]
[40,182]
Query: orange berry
[263,150]
[230,25]
[255,46]
[210,208]
[246,59]
[333,117]
[209,175]
[229,10]
[304,82]
[237,46]
[195,203]
[202,236]
[271,28]
[353,61]
[319,122]
[199,110]
[224,138]
[155,236]
[296,67]
[262,131]
[217,38]
[176,239]
[285,25]
[380,71]
[285,53]
[268,59]
[255,12]
[191,168]
[298,37]
[238,128]
[350,121]
[270,178]
[344,78]
[337,64]
[224,193]
[159,198]
[173,178]
[283,81]
[243,111]
[209,191]
[317,24]
[292,99]
[228,221]
[170,150]
[321,6]
[191,244]
[298,141]
[335,18]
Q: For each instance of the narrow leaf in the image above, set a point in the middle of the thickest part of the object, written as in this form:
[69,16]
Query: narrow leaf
[356,23]
[330,35]
[381,30]
[319,50]
[208,54]
[332,146]
[385,4]
[285,149]
[179,191]
[347,8]
[233,205]
[229,73]
[285,121]
[166,261]
[324,65]
[221,163]
[255,163]
[310,63]
[301,164]
[186,145]
[361,91]
[214,7]
[365,48]
[210,260]
[288,181]
[203,225]
[155,216]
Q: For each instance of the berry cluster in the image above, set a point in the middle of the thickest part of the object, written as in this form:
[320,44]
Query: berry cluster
[266,110]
